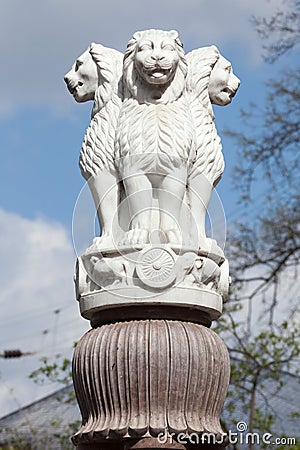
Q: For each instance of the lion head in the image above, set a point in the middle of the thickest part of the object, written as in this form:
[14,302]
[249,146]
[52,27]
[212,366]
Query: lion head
[82,79]
[210,77]
[223,84]
[155,67]
[95,75]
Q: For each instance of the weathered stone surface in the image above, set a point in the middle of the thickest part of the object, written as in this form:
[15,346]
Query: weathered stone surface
[148,378]
[145,444]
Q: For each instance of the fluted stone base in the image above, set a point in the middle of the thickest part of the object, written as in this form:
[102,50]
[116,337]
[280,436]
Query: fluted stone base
[145,444]
[149,378]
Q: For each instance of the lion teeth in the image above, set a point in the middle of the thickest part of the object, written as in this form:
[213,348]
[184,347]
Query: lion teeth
[229,91]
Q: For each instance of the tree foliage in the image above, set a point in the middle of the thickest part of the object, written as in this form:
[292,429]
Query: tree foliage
[281,32]
[267,244]
[260,325]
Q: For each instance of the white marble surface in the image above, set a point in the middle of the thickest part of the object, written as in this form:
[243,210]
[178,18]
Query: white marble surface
[151,157]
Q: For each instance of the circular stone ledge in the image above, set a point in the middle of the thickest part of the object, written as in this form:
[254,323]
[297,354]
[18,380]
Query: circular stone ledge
[198,305]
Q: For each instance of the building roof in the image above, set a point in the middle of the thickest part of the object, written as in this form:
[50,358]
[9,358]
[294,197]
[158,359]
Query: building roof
[50,421]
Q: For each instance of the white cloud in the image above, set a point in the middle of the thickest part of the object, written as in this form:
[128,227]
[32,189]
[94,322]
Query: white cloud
[36,280]
[39,41]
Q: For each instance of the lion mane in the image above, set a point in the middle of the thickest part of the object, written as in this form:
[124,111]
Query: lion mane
[209,160]
[97,151]
[200,64]
[156,132]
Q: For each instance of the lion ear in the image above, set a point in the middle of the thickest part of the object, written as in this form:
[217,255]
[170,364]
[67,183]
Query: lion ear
[95,49]
[214,49]
[174,34]
[137,35]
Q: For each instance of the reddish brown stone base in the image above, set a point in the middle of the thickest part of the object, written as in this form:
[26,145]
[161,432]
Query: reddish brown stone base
[145,444]
[140,379]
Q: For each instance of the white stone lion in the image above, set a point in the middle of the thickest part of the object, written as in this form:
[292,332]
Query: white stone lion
[96,75]
[154,138]
[210,80]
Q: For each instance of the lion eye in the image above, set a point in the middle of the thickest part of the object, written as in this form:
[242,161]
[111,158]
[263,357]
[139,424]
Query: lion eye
[145,47]
[77,65]
[168,47]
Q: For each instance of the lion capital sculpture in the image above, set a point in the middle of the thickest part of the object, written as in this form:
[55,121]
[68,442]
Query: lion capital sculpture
[153,282]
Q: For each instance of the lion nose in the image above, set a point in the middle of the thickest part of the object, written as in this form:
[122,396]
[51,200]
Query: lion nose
[157,56]
[237,82]
[68,77]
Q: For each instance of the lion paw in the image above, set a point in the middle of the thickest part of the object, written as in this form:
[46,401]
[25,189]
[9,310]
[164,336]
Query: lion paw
[211,247]
[136,236]
[101,242]
[173,236]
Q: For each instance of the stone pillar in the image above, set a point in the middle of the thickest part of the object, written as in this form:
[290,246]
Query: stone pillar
[151,374]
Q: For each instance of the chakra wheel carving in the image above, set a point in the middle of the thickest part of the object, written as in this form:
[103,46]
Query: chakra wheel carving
[155,267]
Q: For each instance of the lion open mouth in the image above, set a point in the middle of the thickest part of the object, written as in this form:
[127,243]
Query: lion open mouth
[72,86]
[158,72]
[229,91]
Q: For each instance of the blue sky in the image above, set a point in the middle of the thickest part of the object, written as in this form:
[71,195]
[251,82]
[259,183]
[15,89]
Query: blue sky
[41,134]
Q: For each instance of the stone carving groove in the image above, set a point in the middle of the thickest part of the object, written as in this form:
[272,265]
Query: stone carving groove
[143,378]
